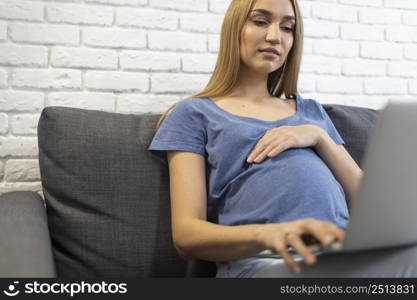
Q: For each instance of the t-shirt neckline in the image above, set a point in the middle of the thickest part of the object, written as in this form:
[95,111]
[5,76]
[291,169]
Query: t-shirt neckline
[297,104]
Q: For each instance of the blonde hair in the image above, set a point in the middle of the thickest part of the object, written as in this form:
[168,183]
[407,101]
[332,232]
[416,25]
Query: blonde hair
[225,74]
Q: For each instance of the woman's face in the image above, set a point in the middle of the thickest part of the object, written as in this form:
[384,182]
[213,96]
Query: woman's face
[263,30]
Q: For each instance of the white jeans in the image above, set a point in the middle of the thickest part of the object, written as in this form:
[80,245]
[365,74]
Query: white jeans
[391,262]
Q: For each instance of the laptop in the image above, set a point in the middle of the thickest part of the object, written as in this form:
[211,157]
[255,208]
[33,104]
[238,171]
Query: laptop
[384,212]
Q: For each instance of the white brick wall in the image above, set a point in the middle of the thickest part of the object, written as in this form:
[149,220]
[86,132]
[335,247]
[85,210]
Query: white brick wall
[22,170]
[117,81]
[44,34]
[3,78]
[79,14]
[4,123]
[83,58]
[46,79]
[3,31]
[21,101]
[87,100]
[134,56]
[114,38]
[147,18]
[21,10]
[23,55]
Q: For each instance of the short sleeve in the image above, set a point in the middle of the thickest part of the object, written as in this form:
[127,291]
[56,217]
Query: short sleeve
[329,126]
[181,130]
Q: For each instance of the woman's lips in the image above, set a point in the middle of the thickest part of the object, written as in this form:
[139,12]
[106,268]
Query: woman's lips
[269,54]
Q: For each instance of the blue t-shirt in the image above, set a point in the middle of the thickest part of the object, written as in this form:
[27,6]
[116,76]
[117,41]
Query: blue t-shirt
[293,185]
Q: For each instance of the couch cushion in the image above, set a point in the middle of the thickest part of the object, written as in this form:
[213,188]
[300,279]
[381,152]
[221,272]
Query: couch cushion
[355,125]
[107,197]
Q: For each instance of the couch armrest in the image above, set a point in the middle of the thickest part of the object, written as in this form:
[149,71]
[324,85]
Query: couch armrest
[25,244]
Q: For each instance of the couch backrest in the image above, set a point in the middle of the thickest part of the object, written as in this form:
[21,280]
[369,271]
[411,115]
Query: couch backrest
[108,199]
[355,125]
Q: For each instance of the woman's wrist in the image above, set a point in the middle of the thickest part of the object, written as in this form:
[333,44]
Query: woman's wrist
[261,238]
[258,235]
[322,135]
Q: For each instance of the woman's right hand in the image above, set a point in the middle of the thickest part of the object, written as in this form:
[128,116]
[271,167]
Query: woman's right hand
[279,236]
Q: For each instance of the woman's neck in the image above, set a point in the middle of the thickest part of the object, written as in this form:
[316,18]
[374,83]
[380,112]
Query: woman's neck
[252,91]
[251,85]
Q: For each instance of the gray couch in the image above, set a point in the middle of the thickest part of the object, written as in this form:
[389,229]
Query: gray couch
[107,199]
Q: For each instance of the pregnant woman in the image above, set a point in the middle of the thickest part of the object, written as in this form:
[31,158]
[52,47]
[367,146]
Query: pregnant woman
[255,168]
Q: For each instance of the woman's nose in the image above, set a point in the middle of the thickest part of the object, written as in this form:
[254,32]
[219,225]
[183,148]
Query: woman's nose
[273,34]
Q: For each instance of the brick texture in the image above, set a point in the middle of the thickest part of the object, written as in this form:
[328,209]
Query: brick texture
[144,55]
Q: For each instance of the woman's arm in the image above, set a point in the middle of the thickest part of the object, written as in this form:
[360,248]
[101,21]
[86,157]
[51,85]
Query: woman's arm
[344,168]
[193,236]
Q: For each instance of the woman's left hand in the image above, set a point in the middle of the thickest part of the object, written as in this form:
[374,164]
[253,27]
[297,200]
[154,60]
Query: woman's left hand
[279,139]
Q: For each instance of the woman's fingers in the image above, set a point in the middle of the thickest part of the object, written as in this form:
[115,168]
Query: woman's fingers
[296,234]
[281,247]
[325,232]
[309,239]
[277,149]
[264,153]
[261,148]
[297,243]
[291,263]
[267,150]
[340,234]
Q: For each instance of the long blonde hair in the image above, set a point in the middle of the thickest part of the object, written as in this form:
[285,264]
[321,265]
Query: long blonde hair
[225,74]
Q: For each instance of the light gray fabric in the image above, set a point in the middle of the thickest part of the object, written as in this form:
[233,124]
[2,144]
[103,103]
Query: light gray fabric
[388,263]
[25,245]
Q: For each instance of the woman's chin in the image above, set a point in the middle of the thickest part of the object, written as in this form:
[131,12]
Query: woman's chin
[264,67]
[268,67]
[267,70]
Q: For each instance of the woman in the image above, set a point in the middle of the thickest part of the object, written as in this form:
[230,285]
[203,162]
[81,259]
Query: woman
[251,172]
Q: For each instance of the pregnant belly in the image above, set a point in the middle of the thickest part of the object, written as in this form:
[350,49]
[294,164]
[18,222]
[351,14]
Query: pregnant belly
[294,184]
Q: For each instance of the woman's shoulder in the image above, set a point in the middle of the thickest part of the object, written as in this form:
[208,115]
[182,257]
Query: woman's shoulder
[184,106]
[309,102]
[312,107]
[306,100]
[190,109]
[191,103]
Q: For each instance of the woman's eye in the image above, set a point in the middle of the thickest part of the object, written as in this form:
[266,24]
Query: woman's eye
[262,23]
[257,22]
[289,29]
